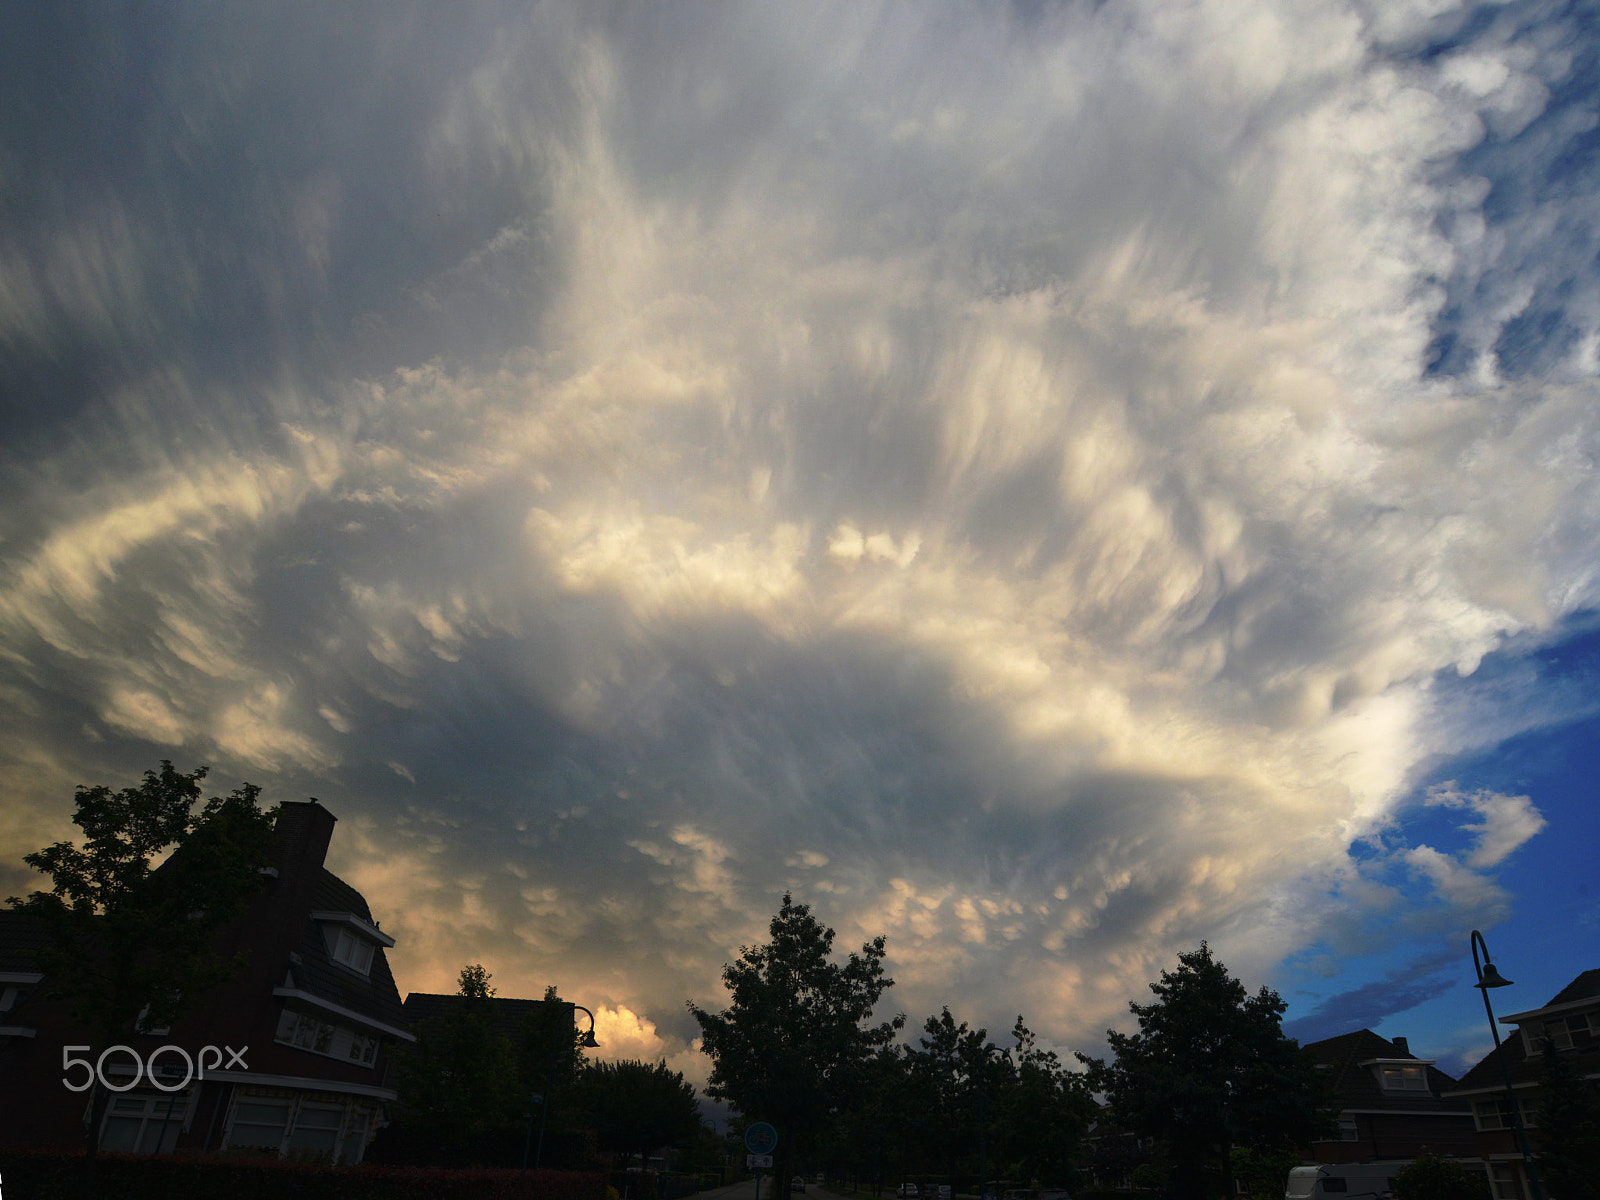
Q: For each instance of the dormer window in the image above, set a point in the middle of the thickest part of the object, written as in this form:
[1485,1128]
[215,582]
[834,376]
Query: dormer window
[351,940]
[1561,1032]
[350,950]
[1394,1078]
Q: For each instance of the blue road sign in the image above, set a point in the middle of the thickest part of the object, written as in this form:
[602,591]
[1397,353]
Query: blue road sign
[760,1138]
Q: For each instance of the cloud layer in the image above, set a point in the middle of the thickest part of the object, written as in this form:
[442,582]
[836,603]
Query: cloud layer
[1012,476]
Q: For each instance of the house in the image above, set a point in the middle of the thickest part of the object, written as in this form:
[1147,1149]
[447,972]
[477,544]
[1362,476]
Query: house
[535,1031]
[1570,1023]
[291,1056]
[1392,1104]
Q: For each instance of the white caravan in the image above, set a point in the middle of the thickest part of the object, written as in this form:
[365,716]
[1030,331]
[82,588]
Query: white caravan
[1349,1181]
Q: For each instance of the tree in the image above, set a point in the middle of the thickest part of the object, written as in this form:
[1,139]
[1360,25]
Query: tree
[1263,1172]
[129,935]
[1045,1113]
[1428,1177]
[947,1068]
[459,1096]
[1569,1128]
[1211,1069]
[794,1047]
[636,1107]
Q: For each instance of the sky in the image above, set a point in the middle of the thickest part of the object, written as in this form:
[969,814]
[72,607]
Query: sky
[1048,484]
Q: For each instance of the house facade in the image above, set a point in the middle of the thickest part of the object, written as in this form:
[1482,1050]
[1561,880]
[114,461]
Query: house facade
[292,1056]
[1393,1105]
[1570,1024]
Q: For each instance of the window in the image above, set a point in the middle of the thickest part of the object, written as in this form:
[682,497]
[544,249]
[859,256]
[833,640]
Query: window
[306,1032]
[1403,1079]
[1492,1114]
[1503,1177]
[363,1049]
[356,1140]
[1561,1032]
[1496,1113]
[1332,1183]
[320,1037]
[259,1123]
[1347,1129]
[144,1122]
[349,950]
[141,1025]
[316,1130]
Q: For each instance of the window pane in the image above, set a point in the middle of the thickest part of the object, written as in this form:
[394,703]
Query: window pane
[256,1123]
[316,1129]
[121,1133]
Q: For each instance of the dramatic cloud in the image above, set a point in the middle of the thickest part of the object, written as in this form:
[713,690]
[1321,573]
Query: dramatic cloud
[1016,477]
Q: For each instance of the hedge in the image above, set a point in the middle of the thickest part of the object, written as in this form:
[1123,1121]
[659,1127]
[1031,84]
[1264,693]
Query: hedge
[27,1174]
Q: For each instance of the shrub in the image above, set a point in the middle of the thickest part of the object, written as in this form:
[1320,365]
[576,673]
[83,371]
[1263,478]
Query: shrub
[1428,1177]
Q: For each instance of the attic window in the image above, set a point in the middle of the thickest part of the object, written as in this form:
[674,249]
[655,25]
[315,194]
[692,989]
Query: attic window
[1403,1079]
[349,950]
[1560,1032]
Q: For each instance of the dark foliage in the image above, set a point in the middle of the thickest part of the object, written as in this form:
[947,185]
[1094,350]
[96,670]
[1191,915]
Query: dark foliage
[1211,1069]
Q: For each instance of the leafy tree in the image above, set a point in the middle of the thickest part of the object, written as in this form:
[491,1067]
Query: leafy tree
[1045,1111]
[794,1047]
[946,1068]
[1428,1177]
[549,1062]
[1211,1069]
[1263,1172]
[130,935]
[1569,1128]
[459,1097]
[635,1107]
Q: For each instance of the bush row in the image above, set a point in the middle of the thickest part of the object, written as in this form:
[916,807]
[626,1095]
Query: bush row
[64,1175]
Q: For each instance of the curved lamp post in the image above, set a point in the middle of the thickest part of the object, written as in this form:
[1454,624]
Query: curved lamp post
[1488,978]
[588,1042]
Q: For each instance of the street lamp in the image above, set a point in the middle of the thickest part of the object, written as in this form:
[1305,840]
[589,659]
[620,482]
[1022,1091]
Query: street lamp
[588,1042]
[1488,978]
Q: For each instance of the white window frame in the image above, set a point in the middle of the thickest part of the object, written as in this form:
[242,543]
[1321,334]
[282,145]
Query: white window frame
[354,1122]
[309,1032]
[1493,1113]
[349,949]
[152,1115]
[299,1127]
[1398,1078]
[240,1101]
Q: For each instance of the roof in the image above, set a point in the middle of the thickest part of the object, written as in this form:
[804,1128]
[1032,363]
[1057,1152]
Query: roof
[1356,1087]
[21,936]
[507,1015]
[1525,1068]
[1581,988]
[373,995]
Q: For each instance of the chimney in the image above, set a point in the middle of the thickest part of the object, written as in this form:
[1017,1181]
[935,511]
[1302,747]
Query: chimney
[304,831]
[1401,1045]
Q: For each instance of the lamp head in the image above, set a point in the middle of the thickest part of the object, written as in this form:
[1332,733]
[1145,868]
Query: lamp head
[588,1041]
[1492,978]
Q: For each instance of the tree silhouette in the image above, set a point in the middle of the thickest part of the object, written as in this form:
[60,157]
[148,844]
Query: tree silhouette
[1210,1069]
[794,1045]
[130,934]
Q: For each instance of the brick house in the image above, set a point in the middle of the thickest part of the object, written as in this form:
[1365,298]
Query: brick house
[1570,1022]
[1392,1104]
[305,1030]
